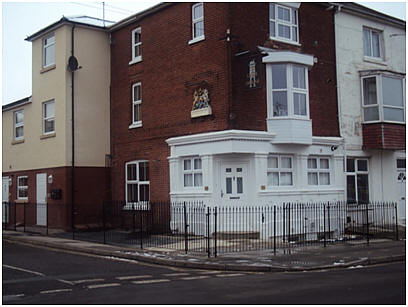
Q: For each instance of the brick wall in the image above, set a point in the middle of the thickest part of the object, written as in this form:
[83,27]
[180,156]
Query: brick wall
[171,70]
[92,187]
[316,33]
[384,136]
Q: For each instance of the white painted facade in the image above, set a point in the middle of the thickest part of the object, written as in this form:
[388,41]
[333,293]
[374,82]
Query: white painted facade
[351,65]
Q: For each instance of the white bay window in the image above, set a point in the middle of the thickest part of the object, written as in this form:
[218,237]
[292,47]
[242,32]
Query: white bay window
[383,99]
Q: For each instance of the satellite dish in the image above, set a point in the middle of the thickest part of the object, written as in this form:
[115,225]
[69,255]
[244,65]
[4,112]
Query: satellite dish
[72,63]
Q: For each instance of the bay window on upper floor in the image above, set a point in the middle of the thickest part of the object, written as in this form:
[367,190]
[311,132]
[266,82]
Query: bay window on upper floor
[383,98]
[283,22]
[289,90]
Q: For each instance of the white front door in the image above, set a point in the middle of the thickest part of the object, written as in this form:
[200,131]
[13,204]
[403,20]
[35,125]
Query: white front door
[401,190]
[42,199]
[234,183]
[5,193]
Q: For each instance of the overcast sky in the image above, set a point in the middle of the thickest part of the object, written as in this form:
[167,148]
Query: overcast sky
[20,19]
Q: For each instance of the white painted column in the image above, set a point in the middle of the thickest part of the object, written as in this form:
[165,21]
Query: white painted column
[261,177]
[207,162]
[175,175]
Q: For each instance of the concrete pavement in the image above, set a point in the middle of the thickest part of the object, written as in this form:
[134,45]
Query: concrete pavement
[348,254]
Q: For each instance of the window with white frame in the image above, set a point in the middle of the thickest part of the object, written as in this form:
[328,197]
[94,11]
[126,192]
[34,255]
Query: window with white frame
[137,182]
[289,91]
[192,173]
[136,45]
[280,171]
[136,105]
[283,23]
[19,125]
[49,51]
[383,98]
[372,40]
[357,180]
[197,15]
[318,171]
[49,117]
[22,187]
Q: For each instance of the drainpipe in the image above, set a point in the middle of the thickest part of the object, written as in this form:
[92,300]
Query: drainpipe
[73,136]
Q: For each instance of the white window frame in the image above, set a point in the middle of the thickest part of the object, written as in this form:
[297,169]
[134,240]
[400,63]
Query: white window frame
[139,205]
[22,187]
[281,170]
[193,172]
[18,125]
[136,58]
[45,47]
[293,23]
[49,118]
[290,90]
[379,95]
[358,172]
[136,102]
[194,21]
[380,38]
[319,170]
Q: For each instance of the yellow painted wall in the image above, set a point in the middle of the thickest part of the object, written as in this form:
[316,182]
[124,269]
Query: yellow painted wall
[91,106]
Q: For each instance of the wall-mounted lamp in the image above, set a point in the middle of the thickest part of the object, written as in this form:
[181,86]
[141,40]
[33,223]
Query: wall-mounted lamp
[10,182]
[334,147]
[50,179]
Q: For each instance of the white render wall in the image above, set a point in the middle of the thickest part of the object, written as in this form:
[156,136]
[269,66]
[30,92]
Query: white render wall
[350,60]
[383,184]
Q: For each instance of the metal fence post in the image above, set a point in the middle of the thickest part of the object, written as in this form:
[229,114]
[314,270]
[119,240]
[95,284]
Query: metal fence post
[185,228]
[324,225]
[215,232]
[46,213]
[328,219]
[208,232]
[274,230]
[104,222]
[141,225]
[367,226]
[396,222]
[24,217]
[289,224]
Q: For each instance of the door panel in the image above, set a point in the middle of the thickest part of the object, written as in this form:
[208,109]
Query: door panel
[42,199]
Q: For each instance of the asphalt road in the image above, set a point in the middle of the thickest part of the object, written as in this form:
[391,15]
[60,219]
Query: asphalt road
[42,276]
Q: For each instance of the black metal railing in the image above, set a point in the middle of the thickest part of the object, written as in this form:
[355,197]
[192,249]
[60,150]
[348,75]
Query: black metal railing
[199,228]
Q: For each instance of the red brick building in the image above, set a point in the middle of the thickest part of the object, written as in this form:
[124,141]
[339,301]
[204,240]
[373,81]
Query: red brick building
[225,102]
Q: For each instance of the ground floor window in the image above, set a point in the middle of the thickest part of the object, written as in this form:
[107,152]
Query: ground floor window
[357,180]
[137,181]
[280,171]
[318,171]
[22,187]
[192,173]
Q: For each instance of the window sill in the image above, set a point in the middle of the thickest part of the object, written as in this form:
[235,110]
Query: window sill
[48,68]
[21,201]
[15,142]
[48,135]
[285,41]
[383,122]
[136,60]
[196,40]
[378,61]
[136,125]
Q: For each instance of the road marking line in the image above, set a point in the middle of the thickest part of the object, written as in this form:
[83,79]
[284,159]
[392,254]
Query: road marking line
[176,274]
[229,275]
[195,277]
[152,281]
[55,291]
[23,270]
[103,285]
[133,277]
[209,272]
[76,282]
[66,282]
[12,296]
